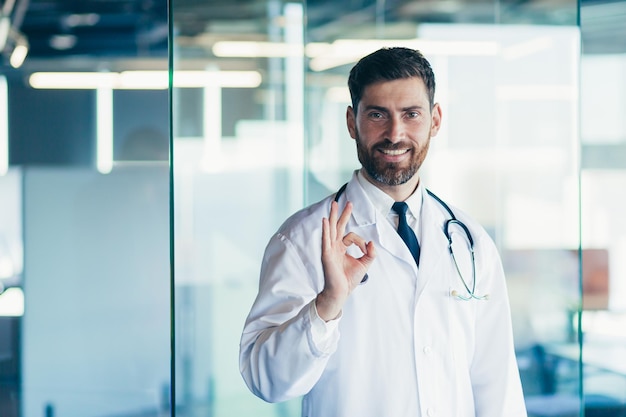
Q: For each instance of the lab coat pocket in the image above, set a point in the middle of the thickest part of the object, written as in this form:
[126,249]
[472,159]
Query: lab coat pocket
[461,323]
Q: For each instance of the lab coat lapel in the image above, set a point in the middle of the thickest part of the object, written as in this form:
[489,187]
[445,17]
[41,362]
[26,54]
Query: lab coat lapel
[433,243]
[365,214]
[391,241]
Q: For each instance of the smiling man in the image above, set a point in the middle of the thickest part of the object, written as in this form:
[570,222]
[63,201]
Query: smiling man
[362,308]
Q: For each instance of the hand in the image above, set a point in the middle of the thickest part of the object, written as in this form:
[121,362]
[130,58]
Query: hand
[342,272]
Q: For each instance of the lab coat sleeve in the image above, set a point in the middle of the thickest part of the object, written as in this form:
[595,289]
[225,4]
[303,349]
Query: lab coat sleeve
[281,357]
[494,372]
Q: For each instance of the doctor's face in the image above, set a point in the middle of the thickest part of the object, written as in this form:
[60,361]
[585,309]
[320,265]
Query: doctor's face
[392,127]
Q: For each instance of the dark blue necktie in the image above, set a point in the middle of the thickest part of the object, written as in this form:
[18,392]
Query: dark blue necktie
[404,230]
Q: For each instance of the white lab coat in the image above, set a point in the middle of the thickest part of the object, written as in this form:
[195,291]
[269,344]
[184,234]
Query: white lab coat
[403,346]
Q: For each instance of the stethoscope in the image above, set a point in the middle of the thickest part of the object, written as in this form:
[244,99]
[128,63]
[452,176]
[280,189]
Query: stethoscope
[471,291]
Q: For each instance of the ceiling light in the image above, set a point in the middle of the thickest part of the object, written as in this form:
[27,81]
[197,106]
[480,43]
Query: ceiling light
[72,80]
[63,42]
[144,80]
[20,50]
[246,49]
[347,51]
[232,79]
[81,19]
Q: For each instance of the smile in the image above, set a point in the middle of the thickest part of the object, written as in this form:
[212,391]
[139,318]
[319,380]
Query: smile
[394,152]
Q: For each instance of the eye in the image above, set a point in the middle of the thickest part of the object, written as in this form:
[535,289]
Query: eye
[413,114]
[375,115]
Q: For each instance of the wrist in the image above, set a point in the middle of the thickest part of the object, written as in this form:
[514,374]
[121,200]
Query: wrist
[328,307]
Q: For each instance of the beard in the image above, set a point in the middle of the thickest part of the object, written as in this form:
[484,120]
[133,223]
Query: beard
[390,173]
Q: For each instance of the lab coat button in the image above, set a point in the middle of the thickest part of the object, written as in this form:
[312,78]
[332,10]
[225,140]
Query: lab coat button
[430,412]
[426,350]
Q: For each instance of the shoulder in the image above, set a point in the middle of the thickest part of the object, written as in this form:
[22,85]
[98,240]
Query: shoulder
[305,221]
[296,245]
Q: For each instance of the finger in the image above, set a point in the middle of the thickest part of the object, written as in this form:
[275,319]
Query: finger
[332,220]
[354,239]
[325,235]
[343,220]
[369,254]
[366,260]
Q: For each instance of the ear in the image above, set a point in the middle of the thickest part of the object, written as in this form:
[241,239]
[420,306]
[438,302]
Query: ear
[351,122]
[435,122]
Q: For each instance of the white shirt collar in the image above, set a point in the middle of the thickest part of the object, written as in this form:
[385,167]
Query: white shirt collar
[383,202]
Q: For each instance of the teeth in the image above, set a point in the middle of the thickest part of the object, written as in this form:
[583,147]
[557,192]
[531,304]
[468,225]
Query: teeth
[394,152]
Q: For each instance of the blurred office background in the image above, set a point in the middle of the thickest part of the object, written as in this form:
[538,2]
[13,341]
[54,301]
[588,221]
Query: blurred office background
[149,149]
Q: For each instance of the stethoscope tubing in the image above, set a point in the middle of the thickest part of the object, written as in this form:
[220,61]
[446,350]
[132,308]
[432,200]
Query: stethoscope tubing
[471,292]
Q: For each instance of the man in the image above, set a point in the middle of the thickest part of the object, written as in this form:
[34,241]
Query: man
[358,321]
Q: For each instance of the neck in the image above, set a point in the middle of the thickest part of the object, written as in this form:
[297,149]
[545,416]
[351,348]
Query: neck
[397,192]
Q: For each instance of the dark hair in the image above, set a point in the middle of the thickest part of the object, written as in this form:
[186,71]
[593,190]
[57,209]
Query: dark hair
[388,64]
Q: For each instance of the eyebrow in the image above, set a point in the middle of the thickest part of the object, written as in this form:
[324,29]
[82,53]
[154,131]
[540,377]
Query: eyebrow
[386,110]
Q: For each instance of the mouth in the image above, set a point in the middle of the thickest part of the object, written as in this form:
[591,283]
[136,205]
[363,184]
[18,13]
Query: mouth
[394,152]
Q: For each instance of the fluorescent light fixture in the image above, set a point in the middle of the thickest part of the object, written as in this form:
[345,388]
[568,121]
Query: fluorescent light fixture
[144,80]
[224,79]
[18,55]
[251,49]
[4,126]
[84,19]
[313,49]
[12,303]
[20,50]
[63,42]
[104,130]
[72,80]
[347,51]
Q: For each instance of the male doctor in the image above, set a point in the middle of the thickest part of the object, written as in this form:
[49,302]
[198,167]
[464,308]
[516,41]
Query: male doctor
[361,323]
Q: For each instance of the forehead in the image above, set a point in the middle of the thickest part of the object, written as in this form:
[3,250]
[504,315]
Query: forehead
[404,91]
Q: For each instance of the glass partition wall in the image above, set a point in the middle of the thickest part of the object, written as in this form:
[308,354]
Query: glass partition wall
[265,135]
[603,165]
[92,215]
[84,212]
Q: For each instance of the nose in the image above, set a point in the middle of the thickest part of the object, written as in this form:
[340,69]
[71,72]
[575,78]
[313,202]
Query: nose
[396,130]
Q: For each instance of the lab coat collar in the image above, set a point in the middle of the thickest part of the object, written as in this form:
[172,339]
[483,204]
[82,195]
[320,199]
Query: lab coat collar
[433,242]
[364,212]
[383,202]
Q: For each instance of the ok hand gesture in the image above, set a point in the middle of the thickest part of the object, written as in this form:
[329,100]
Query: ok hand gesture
[342,272]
